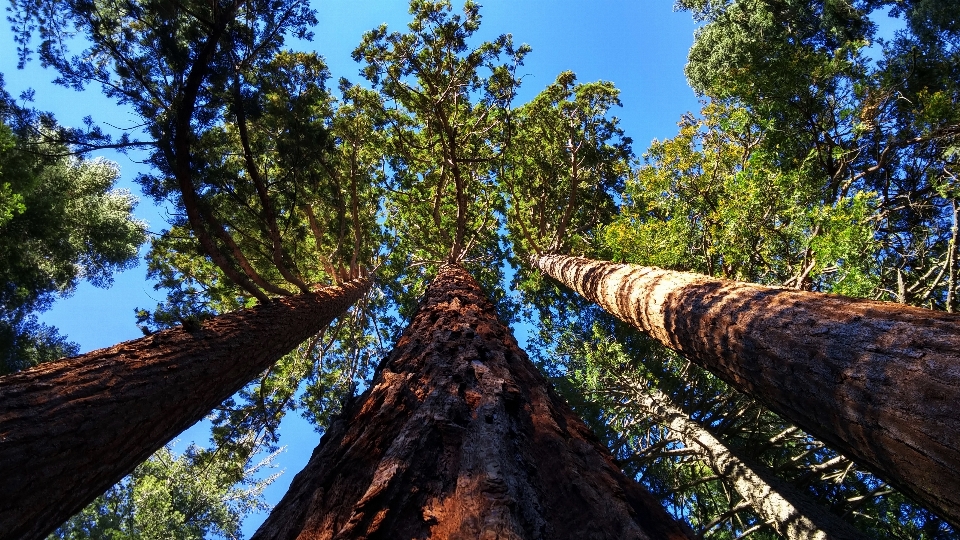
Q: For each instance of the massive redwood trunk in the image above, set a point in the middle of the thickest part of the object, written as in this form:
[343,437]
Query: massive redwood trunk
[459,436]
[878,382]
[790,512]
[71,429]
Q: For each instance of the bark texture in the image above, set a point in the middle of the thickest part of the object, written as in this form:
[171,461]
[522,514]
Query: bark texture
[71,429]
[791,513]
[878,382]
[459,437]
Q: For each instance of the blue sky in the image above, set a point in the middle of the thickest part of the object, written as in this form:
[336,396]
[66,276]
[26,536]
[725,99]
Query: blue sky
[640,46]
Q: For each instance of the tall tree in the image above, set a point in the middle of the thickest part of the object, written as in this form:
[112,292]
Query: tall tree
[785,347]
[409,429]
[720,199]
[794,176]
[238,165]
[458,434]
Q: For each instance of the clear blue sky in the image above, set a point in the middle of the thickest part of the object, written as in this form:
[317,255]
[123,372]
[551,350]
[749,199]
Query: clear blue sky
[639,46]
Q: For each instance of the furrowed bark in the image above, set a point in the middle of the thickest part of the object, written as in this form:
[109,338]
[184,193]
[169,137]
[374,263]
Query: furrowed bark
[459,436]
[791,513]
[879,382]
[71,429]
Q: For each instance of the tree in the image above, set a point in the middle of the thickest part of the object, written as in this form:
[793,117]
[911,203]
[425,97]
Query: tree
[61,221]
[793,176]
[459,434]
[785,347]
[448,133]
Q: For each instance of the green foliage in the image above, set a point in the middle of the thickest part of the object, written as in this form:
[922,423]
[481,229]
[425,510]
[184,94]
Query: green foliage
[61,222]
[190,496]
[447,125]
[566,161]
[779,50]
[713,200]
[801,72]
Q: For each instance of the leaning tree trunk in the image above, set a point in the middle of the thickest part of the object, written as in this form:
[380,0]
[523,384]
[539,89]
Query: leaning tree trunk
[459,436]
[879,382]
[791,513]
[71,429]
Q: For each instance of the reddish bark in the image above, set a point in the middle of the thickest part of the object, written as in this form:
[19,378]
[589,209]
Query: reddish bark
[459,436]
[879,382]
[70,429]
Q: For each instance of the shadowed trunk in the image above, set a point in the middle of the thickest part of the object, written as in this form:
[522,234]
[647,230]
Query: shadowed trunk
[878,382]
[459,436]
[792,513]
[70,429]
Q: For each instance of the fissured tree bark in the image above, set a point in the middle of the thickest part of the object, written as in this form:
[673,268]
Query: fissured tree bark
[71,429]
[879,382]
[459,436]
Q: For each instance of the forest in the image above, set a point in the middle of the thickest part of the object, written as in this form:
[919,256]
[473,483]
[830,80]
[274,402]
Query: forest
[748,329]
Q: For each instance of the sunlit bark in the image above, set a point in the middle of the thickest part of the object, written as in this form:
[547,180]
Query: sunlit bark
[879,382]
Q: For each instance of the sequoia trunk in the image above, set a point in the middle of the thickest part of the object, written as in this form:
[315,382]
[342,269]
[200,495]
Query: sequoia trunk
[791,513]
[459,436]
[71,429]
[878,382]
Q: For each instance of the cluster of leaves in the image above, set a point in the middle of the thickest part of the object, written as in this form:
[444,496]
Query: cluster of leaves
[715,200]
[885,129]
[61,222]
[195,495]
[448,126]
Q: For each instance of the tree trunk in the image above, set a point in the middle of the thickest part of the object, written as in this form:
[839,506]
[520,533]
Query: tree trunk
[71,429]
[878,382]
[459,436]
[791,513]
